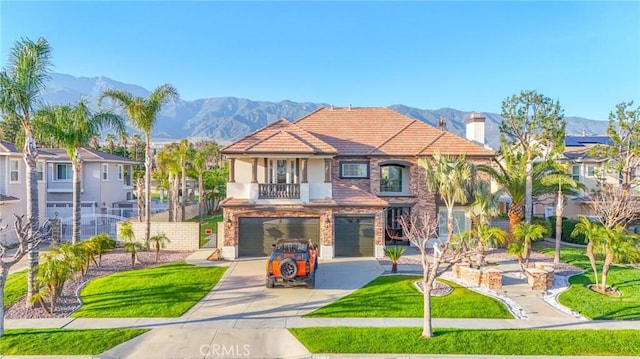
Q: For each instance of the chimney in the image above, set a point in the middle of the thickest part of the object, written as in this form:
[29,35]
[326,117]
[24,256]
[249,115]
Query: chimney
[475,128]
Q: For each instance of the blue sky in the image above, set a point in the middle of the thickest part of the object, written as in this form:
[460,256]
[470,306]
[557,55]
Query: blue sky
[463,55]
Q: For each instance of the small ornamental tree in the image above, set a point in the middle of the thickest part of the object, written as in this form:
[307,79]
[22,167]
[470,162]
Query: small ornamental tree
[158,241]
[28,240]
[421,229]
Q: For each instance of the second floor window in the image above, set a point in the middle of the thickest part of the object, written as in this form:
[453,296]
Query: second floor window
[64,172]
[40,170]
[391,178]
[14,171]
[354,170]
[591,171]
[120,170]
[575,173]
[105,171]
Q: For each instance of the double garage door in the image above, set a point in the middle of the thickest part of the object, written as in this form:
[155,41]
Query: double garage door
[256,236]
[354,236]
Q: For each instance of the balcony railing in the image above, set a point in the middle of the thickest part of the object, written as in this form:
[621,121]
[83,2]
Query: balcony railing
[279,191]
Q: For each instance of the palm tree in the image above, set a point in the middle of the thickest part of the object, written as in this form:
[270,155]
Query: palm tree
[52,274]
[95,142]
[594,233]
[73,126]
[169,163]
[451,177]
[527,233]
[135,142]
[123,138]
[620,246]
[185,149]
[129,241]
[21,82]
[159,241]
[142,113]
[205,152]
[394,253]
[565,185]
[109,142]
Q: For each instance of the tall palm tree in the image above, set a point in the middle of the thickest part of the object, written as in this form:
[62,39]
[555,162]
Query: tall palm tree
[185,149]
[142,113]
[73,126]
[451,177]
[109,142]
[21,83]
[123,139]
[135,142]
[206,151]
[169,163]
[562,181]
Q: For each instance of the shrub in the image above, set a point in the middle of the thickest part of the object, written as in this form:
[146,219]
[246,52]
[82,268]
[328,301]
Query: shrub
[567,228]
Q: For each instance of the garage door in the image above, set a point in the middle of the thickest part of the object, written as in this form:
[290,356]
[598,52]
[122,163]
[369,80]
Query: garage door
[354,236]
[256,236]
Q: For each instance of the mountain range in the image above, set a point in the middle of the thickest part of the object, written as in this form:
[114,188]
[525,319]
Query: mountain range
[226,119]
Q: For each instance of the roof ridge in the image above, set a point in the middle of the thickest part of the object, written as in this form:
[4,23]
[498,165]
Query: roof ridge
[254,132]
[309,114]
[392,136]
[432,142]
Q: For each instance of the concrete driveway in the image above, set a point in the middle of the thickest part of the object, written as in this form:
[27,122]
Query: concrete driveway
[241,318]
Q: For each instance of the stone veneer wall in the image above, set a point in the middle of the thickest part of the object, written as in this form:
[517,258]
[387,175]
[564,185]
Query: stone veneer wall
[488,278]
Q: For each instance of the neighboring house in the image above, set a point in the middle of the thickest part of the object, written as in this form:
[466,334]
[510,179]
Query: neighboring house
[339,176]
[13,187]
[106,183]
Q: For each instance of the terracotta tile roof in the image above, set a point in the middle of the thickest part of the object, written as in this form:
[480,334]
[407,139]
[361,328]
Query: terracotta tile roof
[345,194]
[381,131]
[280,137]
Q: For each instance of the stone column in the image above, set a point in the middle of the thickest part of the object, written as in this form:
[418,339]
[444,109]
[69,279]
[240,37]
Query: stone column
[254,170]
[327,170]
[232,170]
[304,170]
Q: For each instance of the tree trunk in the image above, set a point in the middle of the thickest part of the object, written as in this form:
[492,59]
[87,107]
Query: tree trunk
[527,252]
[76,217]
[157,251]
[608,259]
[592,260]
[515,216]
[528,190]
[133,259]
[200,199]
[141,202]
[394,267]
[427,330]
[3,279]
[176,195]
[183,181]
[147,187]
[559,206]
[170,196]
[30,155]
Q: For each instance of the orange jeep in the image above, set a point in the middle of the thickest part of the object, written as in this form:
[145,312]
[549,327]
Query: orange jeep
[293,262]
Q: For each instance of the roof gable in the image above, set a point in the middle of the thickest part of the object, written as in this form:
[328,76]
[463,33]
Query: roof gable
[280,137]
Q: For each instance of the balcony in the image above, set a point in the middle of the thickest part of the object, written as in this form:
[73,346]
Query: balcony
[279,191]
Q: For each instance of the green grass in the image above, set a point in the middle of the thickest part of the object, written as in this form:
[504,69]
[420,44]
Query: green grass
[63,341]
[474,342]
[591,304]
[397,297]
[15,287]
[163,291]
[208,223]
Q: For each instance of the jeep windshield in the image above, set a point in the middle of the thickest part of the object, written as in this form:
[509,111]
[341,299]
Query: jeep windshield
[291,247]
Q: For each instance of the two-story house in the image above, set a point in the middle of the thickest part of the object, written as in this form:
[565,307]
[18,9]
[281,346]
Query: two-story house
[106,183]
[339,176]
[13,186]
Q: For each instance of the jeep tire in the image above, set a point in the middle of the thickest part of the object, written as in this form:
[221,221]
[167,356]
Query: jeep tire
[288,268]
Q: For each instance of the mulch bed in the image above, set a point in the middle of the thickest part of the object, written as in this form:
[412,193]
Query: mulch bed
[113,262]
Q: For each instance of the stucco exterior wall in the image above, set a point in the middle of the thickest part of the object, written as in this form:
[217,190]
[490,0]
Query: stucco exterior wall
[183,236]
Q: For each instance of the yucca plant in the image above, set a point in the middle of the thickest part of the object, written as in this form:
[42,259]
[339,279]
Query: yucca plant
[394,253]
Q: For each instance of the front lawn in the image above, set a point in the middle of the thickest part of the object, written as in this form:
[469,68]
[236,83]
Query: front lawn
[63,341]
[164,291]
[397,297]
[15,287]
[591,304]
[474,342]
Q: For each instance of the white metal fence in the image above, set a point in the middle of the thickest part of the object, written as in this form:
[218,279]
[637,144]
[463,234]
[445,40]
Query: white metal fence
[91,225]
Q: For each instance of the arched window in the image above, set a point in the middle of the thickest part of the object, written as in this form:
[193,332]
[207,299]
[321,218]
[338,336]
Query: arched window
[391,178]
